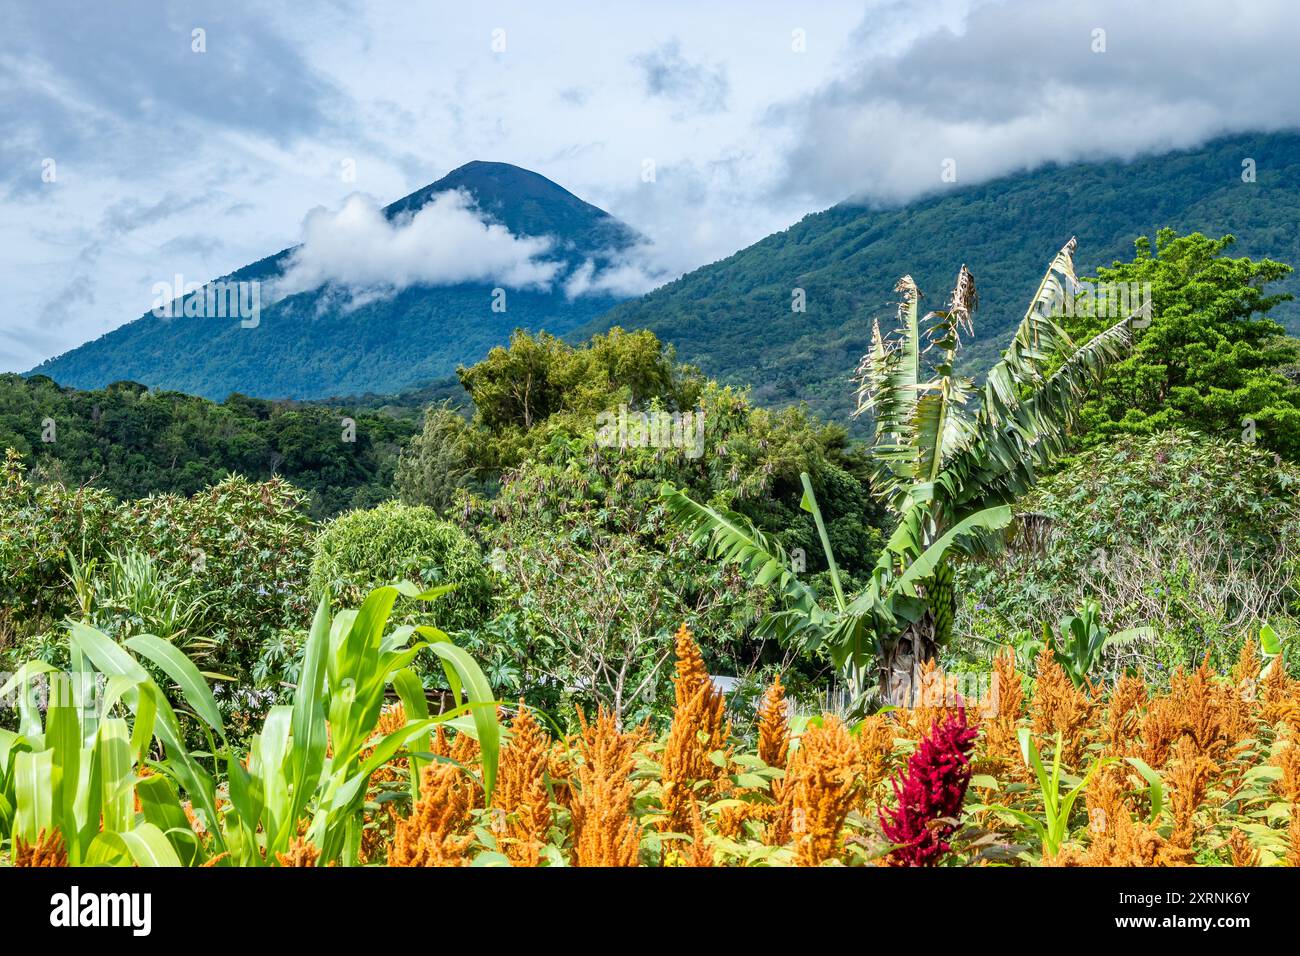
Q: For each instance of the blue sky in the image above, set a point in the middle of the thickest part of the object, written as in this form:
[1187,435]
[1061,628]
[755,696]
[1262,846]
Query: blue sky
[167,160]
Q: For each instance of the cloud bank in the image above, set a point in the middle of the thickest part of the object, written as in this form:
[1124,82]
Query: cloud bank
[995,88]
[444,243]
[627,275]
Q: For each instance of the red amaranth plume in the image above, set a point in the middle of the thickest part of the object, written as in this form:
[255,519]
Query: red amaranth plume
[930,793]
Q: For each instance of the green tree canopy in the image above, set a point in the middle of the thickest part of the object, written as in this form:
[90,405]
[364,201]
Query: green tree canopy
[134,442]
[1210,361]
[542,381]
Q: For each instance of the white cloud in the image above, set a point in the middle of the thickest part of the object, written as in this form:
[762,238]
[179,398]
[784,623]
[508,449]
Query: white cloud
[446,242]
[1003,87]
[697,86]
[631,275]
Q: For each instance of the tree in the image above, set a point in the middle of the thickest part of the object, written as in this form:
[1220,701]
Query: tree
[513,386]
[438,462]
[1209,361]
[949,458]
[524,393]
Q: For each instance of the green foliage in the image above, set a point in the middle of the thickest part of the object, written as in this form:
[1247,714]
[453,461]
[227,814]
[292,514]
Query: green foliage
[945,462]
[438,461]
[79,769]
[593,582]
[394,542]
[40,524]
[1191,536]
[589,615]
[131,442]
[733,318]
[243,548]
[1057,807]
[1210,361]
[1082,639]
[538,386]
[1154,486]
[141,598]
[231,561]
[843,632]
[544,402]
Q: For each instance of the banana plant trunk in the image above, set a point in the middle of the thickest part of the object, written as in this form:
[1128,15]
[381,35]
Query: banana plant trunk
[900,668]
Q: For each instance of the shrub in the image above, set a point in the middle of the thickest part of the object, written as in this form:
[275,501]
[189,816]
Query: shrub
[1191,536]
[394,542]
[243,547]
[40,524]
[132,595]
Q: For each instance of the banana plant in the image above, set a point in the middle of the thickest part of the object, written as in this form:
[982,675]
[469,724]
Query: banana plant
[848,630]
[950,458]
[82,770]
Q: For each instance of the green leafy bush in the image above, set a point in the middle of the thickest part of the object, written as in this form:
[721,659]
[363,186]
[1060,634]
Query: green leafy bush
[244,546]
[132,595]
[1192,536]
[589,617]
[40,524]
[393,542]
[438,461]
[231,561]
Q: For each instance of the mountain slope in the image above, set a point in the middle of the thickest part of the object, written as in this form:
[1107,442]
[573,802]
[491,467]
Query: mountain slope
[313,345]
[734,317]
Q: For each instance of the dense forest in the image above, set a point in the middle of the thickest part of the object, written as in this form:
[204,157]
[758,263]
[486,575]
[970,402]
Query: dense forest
[132,442]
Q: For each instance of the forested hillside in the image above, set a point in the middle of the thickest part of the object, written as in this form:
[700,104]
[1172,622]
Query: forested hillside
[735,320]
[132,442]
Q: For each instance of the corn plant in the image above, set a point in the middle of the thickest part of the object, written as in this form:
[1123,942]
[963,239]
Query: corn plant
[75,770]
[1054,827]
[80,770]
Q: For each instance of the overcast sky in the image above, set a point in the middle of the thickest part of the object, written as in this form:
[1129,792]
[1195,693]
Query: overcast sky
[166,160]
